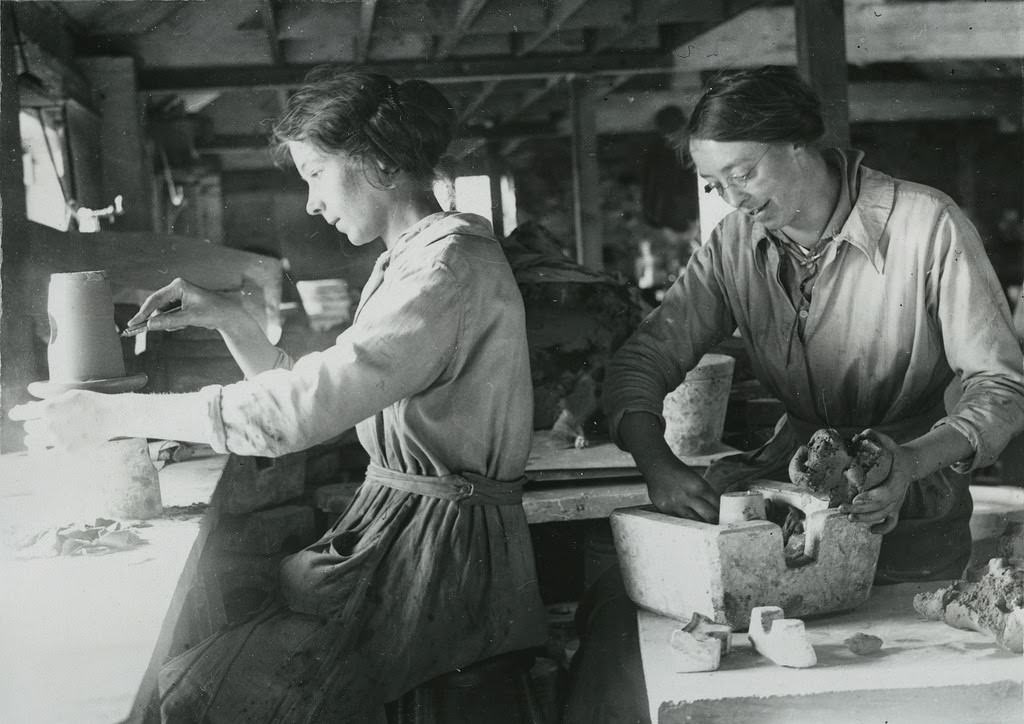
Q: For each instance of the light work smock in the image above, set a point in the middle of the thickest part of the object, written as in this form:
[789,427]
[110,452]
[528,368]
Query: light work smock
[431,567]
[905,301]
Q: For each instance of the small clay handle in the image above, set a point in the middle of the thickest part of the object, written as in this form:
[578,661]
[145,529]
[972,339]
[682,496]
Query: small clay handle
[798,474]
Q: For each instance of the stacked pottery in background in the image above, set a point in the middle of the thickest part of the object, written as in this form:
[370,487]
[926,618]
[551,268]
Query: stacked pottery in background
[116,479]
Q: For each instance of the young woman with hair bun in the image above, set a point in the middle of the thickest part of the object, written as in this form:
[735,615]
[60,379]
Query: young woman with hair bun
[430,568]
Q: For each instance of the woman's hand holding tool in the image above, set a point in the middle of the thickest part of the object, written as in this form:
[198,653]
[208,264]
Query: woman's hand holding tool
[182,304]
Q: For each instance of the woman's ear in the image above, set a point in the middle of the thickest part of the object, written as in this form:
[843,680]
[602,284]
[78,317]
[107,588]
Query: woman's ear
[385,169]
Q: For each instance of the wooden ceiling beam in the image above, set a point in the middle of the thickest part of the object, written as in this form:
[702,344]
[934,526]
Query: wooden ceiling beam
[247,143]
[876,32]
[874,102]
[269,12]
[225,78]
[870,102]
[464,19]
[563,10]
[478,100]
[367,15]
[533,97]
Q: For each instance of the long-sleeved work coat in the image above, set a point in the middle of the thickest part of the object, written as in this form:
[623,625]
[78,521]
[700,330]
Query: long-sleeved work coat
[905,301]
[431,567]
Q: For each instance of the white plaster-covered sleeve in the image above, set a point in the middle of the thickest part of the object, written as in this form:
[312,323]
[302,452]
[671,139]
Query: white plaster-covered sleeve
[402,340]
[979,341]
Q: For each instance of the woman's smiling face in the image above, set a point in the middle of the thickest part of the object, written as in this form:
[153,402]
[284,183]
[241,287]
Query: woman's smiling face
[340,192]
[762,180]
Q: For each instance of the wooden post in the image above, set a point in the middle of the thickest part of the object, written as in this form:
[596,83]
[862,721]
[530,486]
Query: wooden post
[494,169]
[127,169]
[821,59]
[586,193]
[967,166]
[17,346]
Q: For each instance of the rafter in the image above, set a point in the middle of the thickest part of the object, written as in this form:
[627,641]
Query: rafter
[464,19]
[478,100]
[269,13]
[564,9]
[168,80]
[367,15]
[876,32]
[534,97]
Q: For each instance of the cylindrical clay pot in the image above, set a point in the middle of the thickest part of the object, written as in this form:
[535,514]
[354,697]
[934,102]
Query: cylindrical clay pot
[84,344]
[695,411]
[116,479]
[741,506]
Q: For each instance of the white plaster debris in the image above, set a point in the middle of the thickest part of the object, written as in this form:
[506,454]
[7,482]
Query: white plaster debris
[782,640]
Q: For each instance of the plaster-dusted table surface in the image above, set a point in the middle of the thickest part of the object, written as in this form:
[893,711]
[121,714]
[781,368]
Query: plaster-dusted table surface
[82,637]
[926,672]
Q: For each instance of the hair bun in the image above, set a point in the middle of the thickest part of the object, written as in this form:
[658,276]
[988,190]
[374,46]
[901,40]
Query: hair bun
[402,126]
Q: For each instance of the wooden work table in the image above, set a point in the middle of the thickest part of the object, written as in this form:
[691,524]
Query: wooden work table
[568,484]
[83,636]
[926,672]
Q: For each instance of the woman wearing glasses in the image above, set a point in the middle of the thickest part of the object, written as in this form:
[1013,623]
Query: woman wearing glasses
[860,298]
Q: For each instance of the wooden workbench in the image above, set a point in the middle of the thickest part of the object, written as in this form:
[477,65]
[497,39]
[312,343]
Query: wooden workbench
[84,636]
[568,484]
[926,672]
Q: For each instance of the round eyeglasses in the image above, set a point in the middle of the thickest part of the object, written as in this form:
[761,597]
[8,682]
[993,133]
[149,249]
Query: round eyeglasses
[738,181]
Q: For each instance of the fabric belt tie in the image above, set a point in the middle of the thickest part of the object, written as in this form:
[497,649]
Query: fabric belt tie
[468,488]
[901,431]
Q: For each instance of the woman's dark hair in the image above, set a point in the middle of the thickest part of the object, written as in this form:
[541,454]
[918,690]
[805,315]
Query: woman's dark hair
[770,104]
[394,126]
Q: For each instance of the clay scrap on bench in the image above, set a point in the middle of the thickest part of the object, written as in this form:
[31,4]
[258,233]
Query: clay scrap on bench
[863,644]
[993,605]
[782,640]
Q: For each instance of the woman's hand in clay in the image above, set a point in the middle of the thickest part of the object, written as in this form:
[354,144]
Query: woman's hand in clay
[673,487]
[72,420]
[880,506]
[198,308]
[682,492]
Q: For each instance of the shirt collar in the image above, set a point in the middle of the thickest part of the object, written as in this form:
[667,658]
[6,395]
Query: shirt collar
[866,200]
[439,225]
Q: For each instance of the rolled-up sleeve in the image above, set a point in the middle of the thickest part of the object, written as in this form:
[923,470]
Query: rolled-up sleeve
[692,318]
[396,348]
[979,341]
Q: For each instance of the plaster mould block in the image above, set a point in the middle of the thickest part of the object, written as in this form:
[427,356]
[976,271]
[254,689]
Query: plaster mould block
[693,652]
[782,640]
[700,644]
[677,567]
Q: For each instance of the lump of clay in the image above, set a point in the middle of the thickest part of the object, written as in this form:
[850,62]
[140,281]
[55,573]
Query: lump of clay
[993,605]
[863,644]
[870,464]
[819,464]
[839,468]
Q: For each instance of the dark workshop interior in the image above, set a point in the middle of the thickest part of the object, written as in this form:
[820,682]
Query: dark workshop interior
[137,136]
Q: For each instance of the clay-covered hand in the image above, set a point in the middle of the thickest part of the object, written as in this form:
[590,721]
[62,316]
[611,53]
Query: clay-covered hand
[880,505]
[682,492]
[72,420]
[199,308]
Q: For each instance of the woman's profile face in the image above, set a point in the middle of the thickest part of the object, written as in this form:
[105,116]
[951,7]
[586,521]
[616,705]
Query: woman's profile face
[340,192]
[764,180]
